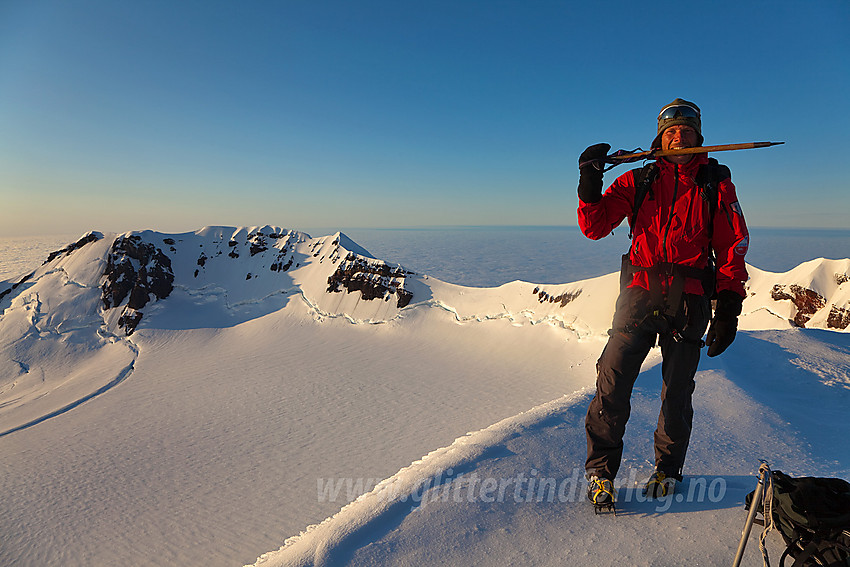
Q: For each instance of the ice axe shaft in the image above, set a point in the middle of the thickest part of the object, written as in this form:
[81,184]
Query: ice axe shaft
[699,150]
[622,156]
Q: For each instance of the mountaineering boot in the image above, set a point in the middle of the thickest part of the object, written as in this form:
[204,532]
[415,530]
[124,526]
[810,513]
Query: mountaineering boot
[659,485]
[600,492]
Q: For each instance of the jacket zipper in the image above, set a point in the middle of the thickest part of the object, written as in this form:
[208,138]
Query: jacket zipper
[670,217]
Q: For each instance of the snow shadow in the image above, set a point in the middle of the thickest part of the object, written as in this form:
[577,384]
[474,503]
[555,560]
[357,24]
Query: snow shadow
[790,366]
[212,308]
[694,494]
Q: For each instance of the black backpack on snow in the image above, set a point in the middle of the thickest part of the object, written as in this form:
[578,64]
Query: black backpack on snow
[813,516]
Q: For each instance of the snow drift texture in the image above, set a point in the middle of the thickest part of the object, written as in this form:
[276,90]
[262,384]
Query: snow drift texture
[78,326]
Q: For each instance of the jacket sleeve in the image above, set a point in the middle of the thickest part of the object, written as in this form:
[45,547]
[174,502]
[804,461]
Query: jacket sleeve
[597,220]
[730,240]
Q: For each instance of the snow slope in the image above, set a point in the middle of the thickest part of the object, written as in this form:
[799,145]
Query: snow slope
[426,515]
[198,398]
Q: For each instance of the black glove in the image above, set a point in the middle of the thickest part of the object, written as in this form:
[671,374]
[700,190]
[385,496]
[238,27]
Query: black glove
[590,180]
[724,326]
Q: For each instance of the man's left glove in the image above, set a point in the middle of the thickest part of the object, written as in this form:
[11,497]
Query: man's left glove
[590,178]
[724,326]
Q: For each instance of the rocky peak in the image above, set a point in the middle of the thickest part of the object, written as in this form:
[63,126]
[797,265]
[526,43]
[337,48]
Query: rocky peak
[374,279]
[807,301]
[135,271]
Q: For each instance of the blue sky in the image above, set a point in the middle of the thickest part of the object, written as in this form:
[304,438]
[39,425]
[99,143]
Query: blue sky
[173,115]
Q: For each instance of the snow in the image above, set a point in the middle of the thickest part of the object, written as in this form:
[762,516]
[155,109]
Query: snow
[455,521]
[267,420]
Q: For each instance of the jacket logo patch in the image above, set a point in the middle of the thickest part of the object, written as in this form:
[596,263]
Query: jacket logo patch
[742,245]
[736,208]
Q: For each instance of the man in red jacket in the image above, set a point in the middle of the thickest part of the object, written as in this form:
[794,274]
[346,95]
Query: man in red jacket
[667,281]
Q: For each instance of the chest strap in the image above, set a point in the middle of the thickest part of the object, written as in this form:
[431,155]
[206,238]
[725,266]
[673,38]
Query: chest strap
[661,272]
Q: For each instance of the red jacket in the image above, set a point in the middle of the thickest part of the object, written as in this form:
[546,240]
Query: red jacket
[672,224]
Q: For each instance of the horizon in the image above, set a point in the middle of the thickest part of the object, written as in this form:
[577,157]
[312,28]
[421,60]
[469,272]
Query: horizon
[168,115]
[487,256]
[424,228]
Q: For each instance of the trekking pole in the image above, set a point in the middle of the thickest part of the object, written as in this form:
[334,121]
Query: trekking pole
[624,156]
[764,470]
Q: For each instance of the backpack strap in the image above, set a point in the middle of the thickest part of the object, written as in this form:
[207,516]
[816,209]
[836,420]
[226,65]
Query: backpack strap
[709,175]
[644,178]
[801,558]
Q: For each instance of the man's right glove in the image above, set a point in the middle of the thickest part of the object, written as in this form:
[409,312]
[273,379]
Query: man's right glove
[724,326]
[590,179]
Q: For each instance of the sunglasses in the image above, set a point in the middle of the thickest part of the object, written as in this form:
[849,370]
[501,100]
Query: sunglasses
[678,111]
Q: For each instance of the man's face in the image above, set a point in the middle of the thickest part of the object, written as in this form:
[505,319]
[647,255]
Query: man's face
[676,137]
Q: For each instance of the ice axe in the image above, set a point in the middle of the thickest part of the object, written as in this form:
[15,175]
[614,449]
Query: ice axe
[628,156]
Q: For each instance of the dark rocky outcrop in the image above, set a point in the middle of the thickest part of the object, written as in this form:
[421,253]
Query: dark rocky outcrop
[135,271]
[87,239]
[129,320]
[279,265]
[564,298]
[374,279]
[838,318]
[807,301]
[15,286]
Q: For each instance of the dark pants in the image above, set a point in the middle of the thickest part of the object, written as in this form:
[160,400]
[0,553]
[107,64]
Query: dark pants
[633,334]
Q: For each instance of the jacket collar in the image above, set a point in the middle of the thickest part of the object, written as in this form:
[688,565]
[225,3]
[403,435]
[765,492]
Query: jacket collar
[689,168]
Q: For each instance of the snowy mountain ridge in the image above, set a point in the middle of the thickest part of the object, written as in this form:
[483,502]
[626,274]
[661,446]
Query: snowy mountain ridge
[106,287]
[249,265]
[91,296]
[332,362]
